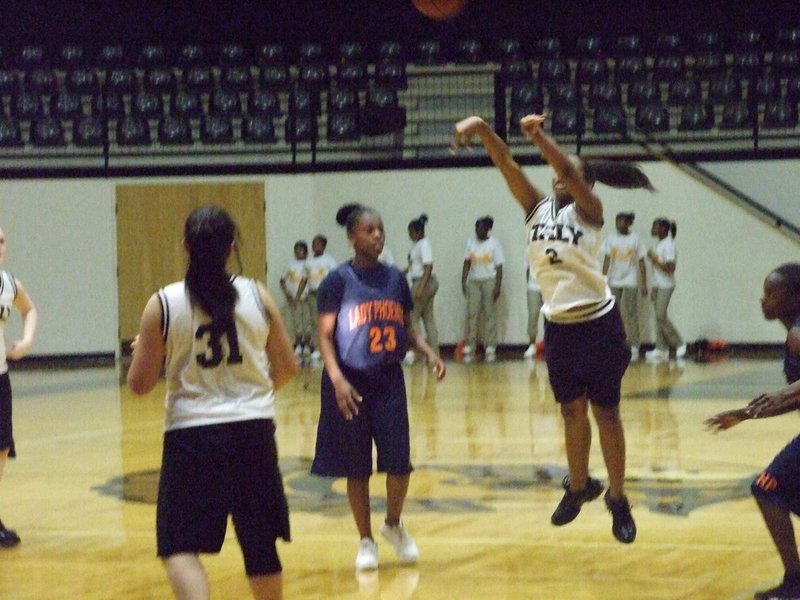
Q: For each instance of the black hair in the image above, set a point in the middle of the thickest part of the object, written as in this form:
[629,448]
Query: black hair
[301,244]
[418,224]
[209,232]
[790,277]
[349,214]
[487,220]
[670,226]
[617,174]
[320,238]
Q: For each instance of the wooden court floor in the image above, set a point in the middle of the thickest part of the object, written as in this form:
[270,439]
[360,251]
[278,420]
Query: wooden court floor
[489,457]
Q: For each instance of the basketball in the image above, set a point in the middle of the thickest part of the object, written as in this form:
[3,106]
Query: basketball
[440,10]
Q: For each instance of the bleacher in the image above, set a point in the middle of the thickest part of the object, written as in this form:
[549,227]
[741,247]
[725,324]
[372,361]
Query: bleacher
[230,105]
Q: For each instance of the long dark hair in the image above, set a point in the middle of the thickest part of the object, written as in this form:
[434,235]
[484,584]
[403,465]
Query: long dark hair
[209,232]
[617,174]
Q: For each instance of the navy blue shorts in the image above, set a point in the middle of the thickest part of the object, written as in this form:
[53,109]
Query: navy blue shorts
[587,358]
[344,448]
[6,424]
[779,483]
[212,471]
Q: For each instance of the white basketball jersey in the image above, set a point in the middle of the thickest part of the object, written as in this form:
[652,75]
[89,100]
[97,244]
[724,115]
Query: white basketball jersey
[8,292]
[214,376]
[562,255]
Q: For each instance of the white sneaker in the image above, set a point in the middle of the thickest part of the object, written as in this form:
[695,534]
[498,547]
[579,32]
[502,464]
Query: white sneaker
[306,351]
[491,353]
[404,546]
[315,355]
[681,351]
[410,358]
[656,356]
[298,350]
[367,557]
[530,351]
[467,350]
[634,353]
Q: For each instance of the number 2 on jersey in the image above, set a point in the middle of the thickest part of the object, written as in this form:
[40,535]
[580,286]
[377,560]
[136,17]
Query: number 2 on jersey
[382,339]
[553,255]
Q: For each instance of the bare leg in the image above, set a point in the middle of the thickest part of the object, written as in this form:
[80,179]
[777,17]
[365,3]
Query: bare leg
[187,577]
[612,442]
[267,587]
[358,495]
[578,438]
[779,524]
[396,491]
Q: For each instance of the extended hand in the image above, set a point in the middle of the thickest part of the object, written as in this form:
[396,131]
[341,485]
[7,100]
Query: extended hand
[531,124]
[463,132]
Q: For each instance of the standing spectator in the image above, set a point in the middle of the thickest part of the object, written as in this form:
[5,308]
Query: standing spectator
[424,284]
[534,309]
[294,283]
[364,331]
[12,296]
[317,268]
[664,258]
[481,278]
[226,352]
[627,275]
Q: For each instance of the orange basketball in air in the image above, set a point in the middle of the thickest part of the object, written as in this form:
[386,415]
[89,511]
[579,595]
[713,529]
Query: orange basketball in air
[440,10]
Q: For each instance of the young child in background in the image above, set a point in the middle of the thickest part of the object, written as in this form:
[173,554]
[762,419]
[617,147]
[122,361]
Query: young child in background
[294,283]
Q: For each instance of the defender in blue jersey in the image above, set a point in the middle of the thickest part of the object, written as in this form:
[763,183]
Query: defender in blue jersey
[777,488]
[364,332]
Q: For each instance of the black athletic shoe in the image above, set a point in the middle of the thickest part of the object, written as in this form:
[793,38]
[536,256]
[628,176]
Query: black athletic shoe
[623,527]
[571,503]
[8,537]
[788,589]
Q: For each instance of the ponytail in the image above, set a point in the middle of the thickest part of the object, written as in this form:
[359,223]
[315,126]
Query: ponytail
[418,225]
[209,232]
[624,175]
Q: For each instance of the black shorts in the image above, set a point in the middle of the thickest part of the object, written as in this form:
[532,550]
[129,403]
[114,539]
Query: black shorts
[779,483]
[587,358]
[344,448]
[213,471]
[6,423]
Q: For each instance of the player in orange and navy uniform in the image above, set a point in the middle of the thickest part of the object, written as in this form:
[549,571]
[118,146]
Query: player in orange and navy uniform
[364,331]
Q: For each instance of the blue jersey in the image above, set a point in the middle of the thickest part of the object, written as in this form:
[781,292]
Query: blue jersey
[370,307]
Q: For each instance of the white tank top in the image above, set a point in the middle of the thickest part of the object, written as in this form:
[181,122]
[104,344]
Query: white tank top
[8,292]
[562,255]
[215,377]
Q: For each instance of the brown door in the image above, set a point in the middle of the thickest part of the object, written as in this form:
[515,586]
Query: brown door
[150,222]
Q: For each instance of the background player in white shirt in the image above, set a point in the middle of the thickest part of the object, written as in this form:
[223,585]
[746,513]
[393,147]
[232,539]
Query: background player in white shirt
[294,283]
[624,267]
[585,345]
[318,265]
[664,257]
[424,284]
[481,278]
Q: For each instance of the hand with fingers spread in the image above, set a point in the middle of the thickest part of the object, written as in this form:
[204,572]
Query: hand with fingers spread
[769,405]
[726,420]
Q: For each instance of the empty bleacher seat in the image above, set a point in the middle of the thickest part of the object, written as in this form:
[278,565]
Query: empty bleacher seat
[610,119]
[382,113]
[133,130]
[737,115]
[174,130]
[258,129]
[696,116]
[216,129]
[47,132]
[88,132]
[652,118]
[10,132]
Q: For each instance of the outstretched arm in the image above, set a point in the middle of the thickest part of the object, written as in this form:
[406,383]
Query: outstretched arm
[524,192]
[565,167]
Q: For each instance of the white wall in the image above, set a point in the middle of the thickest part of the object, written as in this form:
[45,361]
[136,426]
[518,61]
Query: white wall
[62,244]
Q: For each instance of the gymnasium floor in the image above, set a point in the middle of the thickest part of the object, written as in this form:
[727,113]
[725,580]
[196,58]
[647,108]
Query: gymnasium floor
[487,444]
